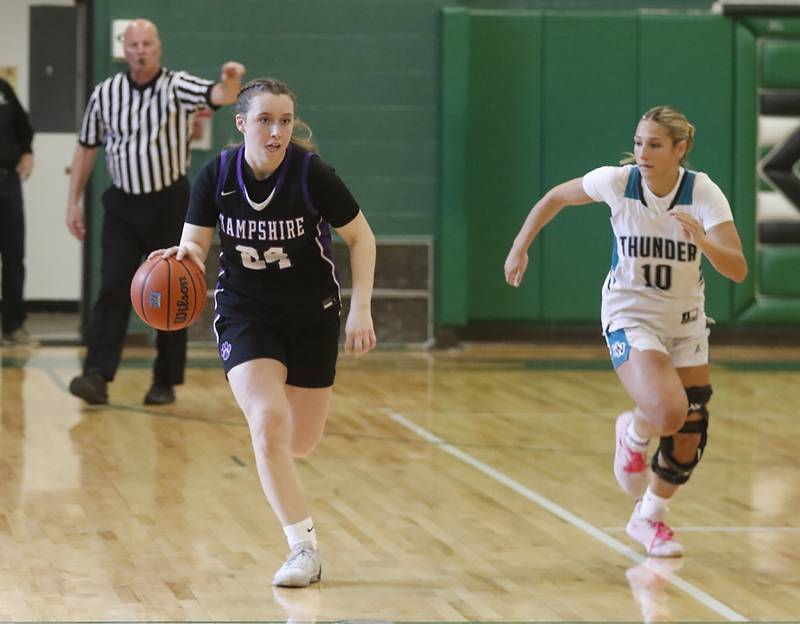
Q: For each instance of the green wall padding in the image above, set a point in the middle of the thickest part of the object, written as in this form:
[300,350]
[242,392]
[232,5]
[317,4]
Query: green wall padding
[586,5]
[779,271]
[772,311]
[590,113]
[745,142]
[771,26]
[779,60]
[503,158]
[590,76]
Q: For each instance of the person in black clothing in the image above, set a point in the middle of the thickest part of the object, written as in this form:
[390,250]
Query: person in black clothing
[278,297]
[16,163]
[142,118]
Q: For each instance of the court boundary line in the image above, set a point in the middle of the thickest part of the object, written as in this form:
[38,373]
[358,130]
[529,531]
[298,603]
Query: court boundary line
[558,511]
[721,529]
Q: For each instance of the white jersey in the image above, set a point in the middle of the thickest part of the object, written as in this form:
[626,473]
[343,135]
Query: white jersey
[655,280]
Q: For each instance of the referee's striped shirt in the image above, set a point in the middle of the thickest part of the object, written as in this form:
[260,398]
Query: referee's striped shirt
[146,128]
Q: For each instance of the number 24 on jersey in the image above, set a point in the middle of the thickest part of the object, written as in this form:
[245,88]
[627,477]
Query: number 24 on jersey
[251,259]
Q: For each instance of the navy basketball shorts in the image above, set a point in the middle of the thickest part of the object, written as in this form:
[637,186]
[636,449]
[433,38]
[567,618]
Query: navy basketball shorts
[309,352]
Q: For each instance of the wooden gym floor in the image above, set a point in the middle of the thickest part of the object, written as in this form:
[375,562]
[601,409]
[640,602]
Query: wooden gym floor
[465,485]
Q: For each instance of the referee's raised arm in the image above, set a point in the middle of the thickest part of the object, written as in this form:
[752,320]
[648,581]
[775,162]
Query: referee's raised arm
[229,85]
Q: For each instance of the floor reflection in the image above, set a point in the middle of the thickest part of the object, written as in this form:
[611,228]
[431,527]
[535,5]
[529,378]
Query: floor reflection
[648,582]
[12,426]
[301,605]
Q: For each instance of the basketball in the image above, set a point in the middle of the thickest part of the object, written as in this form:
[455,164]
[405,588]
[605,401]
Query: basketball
[167,293]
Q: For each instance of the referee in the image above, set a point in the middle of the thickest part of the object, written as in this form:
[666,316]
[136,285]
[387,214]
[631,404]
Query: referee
[143,119]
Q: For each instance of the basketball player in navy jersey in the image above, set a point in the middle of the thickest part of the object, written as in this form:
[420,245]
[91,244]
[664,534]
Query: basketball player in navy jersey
[277,298]
[665,218]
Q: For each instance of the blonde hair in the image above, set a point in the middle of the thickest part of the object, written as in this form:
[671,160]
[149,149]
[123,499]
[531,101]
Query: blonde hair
[302,134]
[676,125]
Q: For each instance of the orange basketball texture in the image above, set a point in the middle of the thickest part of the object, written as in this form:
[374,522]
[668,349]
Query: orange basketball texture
[167,293]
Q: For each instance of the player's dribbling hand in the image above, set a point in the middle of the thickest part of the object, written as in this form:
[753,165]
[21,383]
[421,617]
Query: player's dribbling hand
[515,266]
[180,252]
[359,333]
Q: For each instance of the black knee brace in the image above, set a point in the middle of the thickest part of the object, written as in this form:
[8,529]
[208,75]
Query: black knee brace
[676,472]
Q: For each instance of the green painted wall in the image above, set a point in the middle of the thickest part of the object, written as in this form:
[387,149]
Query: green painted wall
[366,74]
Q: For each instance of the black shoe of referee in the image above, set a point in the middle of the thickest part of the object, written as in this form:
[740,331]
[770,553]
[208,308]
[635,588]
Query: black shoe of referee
[159,395]
[91,387]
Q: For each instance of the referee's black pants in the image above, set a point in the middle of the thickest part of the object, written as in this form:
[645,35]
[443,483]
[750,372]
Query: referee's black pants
[134,225]
[12,250]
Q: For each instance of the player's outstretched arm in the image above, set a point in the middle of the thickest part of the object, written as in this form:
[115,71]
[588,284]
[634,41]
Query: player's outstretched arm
[359,332]
[569,193]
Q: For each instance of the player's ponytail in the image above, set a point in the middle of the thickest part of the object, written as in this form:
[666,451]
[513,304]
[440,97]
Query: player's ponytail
[303,136]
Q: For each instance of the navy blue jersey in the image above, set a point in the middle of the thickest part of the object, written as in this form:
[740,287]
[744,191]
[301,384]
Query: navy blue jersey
[275,259]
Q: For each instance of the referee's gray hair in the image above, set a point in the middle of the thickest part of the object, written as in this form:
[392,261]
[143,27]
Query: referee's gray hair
[303,138]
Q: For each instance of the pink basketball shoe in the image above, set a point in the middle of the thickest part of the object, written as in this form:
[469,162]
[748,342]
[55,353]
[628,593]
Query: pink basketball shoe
[630,467]
[656,536]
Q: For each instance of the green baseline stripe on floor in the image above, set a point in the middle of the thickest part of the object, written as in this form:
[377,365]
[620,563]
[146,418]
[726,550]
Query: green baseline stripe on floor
[469,364]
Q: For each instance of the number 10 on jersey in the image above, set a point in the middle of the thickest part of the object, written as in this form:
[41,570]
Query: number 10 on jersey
[662,275]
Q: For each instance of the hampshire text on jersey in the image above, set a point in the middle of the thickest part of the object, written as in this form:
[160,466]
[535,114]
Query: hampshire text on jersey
[251,229]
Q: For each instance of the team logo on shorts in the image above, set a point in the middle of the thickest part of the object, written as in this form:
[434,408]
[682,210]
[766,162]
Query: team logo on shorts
[618,349]
[225,350]
[154,299]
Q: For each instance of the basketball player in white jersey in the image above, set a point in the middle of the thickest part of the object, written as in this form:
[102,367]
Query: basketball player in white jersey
[664,218]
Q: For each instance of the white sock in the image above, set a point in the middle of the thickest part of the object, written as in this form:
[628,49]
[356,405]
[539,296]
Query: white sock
[302,531]
[634,440]
[653,508]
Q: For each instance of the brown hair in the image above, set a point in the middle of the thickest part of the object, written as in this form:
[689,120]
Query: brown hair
[675,123]
[303,138]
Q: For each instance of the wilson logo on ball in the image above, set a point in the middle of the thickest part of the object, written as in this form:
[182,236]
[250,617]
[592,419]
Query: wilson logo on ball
[182,304]
[167,293]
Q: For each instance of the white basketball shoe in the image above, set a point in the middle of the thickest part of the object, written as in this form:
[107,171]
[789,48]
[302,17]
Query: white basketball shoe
[302,567]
